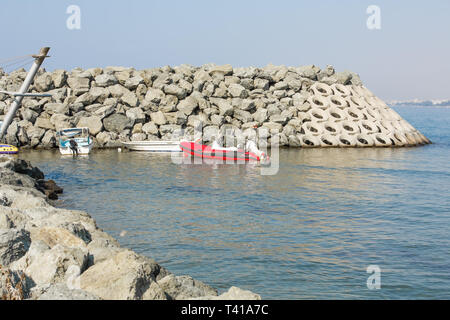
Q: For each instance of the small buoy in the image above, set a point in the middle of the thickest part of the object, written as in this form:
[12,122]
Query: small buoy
[123,233]
[119,149]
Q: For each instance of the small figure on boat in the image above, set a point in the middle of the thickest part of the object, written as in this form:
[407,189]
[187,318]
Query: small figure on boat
[75,141]
[73,145]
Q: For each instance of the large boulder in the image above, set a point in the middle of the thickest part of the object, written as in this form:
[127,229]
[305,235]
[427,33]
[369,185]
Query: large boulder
[60,291]
[225,70]
[237,91]
[43,82]
[154,95]
[59,78]
[117,123]
[52,236]
[14,243]
[130,99]
[185,287]
[175,90]
[44,123]
[234,293]
[150,128]
[105,80]
[79,85]
[188,105]
[94,124]
[136,114]
[58,264]
[60,121]
[125,276]
[158,118]
[13,284]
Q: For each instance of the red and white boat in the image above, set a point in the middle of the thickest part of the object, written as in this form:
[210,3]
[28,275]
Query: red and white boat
[231,154]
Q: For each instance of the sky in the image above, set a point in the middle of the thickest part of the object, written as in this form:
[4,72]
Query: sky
[408,57]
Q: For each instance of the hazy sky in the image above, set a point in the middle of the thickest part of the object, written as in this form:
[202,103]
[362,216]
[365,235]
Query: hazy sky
[409,57]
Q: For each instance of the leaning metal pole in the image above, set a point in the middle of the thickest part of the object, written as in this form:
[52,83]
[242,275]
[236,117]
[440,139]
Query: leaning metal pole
[23,89]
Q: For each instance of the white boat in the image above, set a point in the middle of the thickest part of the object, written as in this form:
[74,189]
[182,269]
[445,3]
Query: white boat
[74,140]
[153,146]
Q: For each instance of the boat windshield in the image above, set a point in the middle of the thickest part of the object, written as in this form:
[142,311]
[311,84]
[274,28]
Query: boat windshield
[79,135]
[74,133]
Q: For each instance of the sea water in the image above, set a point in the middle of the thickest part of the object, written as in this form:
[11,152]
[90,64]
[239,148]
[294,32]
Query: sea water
[310,231]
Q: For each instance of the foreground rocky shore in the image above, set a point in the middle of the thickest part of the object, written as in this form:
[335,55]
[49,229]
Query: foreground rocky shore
[51,253]
[302,106]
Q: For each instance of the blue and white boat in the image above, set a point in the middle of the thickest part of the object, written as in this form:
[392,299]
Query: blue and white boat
[74,141]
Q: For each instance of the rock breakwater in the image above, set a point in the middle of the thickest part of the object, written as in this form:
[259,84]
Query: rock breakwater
[302,106]
[51,253]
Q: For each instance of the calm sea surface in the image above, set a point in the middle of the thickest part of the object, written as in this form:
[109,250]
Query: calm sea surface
[308,232]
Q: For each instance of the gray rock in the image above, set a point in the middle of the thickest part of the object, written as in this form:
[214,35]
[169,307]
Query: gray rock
[150,128]
[134,82]
[48,140]
[44,123]
[243,116]
[94,123]
[99,94]
[117,123]
[13,284]
[248,72]
[124,276]
[59,78]
[308,72]
[225,70]
[136,114]
[29,115]
[59,121]
[138,136]
[117,91]
[234,293]
[58,264]
[60,291]
[78,85]
[130,99]
[175,90]
[185,287]
[188,105]
[14,243]
[44,82]
[225,108]
[60,108]
[261,83]
[217,120]
[86,98]
[5,220]
[345,77]
[158,118]
[104,111]
[237,91]
[105,80]
[154,95]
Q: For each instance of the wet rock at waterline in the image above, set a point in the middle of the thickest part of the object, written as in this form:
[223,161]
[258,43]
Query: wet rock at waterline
[48,253]
[302,106]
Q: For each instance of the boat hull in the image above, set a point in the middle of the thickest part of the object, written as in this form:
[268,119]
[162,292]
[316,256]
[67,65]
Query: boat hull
[83,150]
[153,146]
[203,151]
